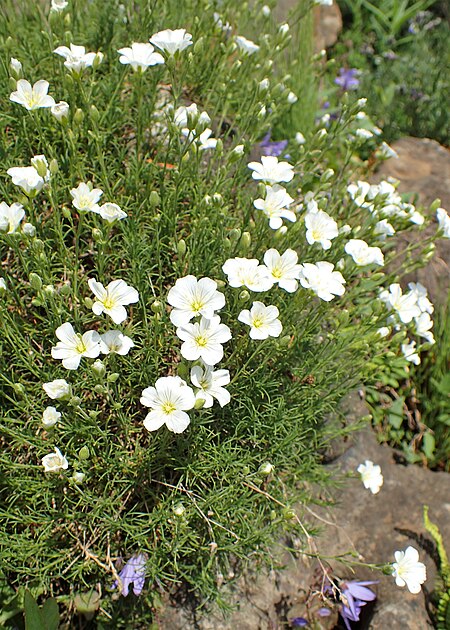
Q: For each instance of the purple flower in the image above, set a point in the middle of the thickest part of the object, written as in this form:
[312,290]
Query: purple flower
[272,147]
[324,612]
[355,595]
[347,79]
[133,573]
[299,622]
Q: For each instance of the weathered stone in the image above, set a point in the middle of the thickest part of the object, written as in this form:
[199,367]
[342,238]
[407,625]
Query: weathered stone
[327,22]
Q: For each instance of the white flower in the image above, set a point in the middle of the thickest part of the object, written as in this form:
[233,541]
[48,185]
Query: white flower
[78,477]
[28,229]
[59,5]
[57,389]
[185,117]
[169,399]
[271,171]
[300,138]
[113,299]
[421,294]
[191,297]
[172,41]
[50,417]
[359,193]
[266,10]
[424,324]
[320,228]
[10,216]
[409,352]
[387,151]
[3,286]
[284,269]
[246,45]
[15,66]
[247,272]
[405,305]
[85,198]
[32,97]
[408,571]
[226,28]
[60,110]
[53,462]
[371,476]
[384,331]
[72,346]
[326,3]
[383,228]
[275,206]
[362,253]
[76,57]
[27,178]
[204,141]
[203,340]
[444,222]
[321,278]
[114,341]
[292,98]
[210,385]
[365,134]
[140,56]
[263,321]
[110,212]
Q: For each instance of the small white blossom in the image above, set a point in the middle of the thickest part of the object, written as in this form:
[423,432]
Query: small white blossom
[424,324]
[191,297]
[275,206]
[246,45]
[263,321]
[210,385]
[114,341]
[59,5]
[32,97]
[387,151]
[371,476]
[322,279]
[111,212]
[50,417]
[3,286]
[247,272]
[57,389]
[203,340]
[292,98]
[204,140]
[300,138]
[359,192]
[169,400]
[266,10]
[140,56]
[384,228]
[320,228]
[225,27]
[113,299]
[76,57]
[85,198]
[409,352]
[363,254]
[60,110]
[421,295]
[10,217]
[405,305]
[172,41]
[271,171]
[15,66]
[408,571]
[27,178]
[444,222]
[284,269]
[53,462]
[365,134]
[384,331]
[72,346]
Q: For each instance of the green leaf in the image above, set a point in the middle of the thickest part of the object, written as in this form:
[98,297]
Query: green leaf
[395,414]
[429,445]
[33,616]
[50,612]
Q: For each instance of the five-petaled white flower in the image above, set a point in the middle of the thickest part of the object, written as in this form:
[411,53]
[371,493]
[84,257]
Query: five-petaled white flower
[246,45]
[408,571]
[322,279]
[191,297]
[140,56]
[114,341]
[362,253]
[275,206]
[247,272]
[203,340]
[85,198]
[421,294]
[57,389]
[383,228]
[172,41]
[113,299]
[371,476]
[424,324]
[110,212]
[169,400]
[271,171]
[405,305]
[444,222]
[409,352]
[27,178]
[53,462]
[283,269]
[10,216]
[76,57]
[60,110]
[50,417]
[72,346]
[210,385]
[263,321]
[58,5]
[32,97]
[320,228]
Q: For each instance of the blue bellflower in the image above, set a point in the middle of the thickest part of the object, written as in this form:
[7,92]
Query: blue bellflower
[133,573]
[355,595]
[270,147]
[347,79]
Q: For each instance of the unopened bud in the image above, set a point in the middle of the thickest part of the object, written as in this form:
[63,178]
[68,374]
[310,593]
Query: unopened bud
[66,212]
[181,248]
[78,117]
[28,229]
[83,453]
[35,281]
[178,509]
[154,199]
[53,166]
[112,378]
[157,306]
[245,241]
[199,403]
[244,295]
[19,389]
[97,235]
[98,367]
[235,235]
[265,469]
[78,477]
[88,302]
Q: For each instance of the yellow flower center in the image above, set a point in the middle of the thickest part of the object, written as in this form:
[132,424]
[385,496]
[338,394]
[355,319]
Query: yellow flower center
[168,408]
[258,322]
[80,347]
[197,305]
[108,302]
[201,341]
[277,272]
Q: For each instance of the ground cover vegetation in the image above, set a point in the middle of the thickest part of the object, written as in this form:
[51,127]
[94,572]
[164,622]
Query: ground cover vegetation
[192,279]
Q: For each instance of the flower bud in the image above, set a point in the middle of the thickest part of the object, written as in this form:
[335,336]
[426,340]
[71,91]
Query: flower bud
[49,289]
[99,368]
[199,46]
[265,469]
[288,514]
[245,241]
[98,60]
[154,199]
[179,509]
[28,229]
[78,477]
[97,235]
[83,453]
[35,281]
[157,306]
[38,246]
[181,248]
[199,403]
[75,401]
[284,341]
[12,83]
[435,205]
[100,389]
[53,166]
[95,114]
[235,235]
[88,302]
[15,67]
[263,86]
[112,378]
[66,212]
[244,295]
[19,389]
[78,117]
[60,111]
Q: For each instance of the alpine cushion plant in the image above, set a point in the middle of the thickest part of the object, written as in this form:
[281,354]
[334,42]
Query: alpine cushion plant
[200,338]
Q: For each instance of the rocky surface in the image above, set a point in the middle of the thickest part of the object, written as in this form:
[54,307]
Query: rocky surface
[327,22]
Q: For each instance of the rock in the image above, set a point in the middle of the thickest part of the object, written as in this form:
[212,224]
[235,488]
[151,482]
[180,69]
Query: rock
[327,26]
